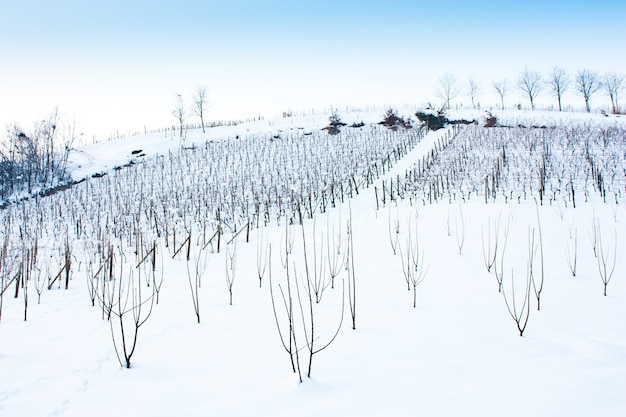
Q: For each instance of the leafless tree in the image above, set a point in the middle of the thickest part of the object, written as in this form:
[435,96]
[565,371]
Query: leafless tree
[473,89]
[289,239]
[613,85]
[587,84]
[500,273]
[350,269]
[448,88]
[572,255]
[231,266]
[537,283]
[412,260]
[460,230]
[318,280]
[336,257]
[521,313]
[297,320]
[26,275]
[394,231]
[309,325]
[530,84]
[178,111]
[39,283]
[128,309]
[157,281]
[604,263]
[261,257]
[200,104]
[195,270]
[502,88]
[90,251]
[490,253]
[106,293]
[6,272]
[559,81]
[593,235]
[69,135]
[287,297]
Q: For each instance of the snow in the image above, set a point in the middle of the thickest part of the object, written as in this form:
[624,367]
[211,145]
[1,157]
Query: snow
[457,353]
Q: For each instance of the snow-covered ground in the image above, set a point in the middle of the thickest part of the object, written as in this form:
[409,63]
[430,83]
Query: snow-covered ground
[458,352]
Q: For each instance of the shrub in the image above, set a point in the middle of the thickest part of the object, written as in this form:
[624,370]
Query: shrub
[335,124]
[432,120]
[394,122]
[490,120]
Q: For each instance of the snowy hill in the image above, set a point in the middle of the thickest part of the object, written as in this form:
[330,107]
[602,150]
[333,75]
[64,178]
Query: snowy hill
[201,237]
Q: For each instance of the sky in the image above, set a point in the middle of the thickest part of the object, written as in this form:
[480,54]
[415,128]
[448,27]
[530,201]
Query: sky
[117,66]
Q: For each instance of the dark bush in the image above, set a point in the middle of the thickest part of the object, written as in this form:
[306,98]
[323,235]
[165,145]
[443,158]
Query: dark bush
[490,120]
[334,124]
[394,122]
[432,120]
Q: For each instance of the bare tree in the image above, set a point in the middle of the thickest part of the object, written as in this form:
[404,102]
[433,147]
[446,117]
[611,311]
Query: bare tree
[473,89]
[604,262]
[572,255]
[231,267]
[593,235]
[559,81]
[350,269]
[394,231]
[448,88]
[195,270]
[318,281]
[613,84]
[413,268]
[490,253]
[200,104]
[298,303]
[521,313]
[587,84]
[500,273]
[502,89]
[261,257]
[128,310]
[178,111]
[529,83]
[309,326]
[537,283]
[460,230]
[287,297]
[336,258]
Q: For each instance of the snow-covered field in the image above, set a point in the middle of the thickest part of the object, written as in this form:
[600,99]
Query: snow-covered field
[457,352]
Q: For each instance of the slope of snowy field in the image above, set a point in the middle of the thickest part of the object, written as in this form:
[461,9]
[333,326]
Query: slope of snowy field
[100,157]
[458,352]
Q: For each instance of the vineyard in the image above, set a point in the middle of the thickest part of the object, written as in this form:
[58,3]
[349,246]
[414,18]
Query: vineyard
[338,263]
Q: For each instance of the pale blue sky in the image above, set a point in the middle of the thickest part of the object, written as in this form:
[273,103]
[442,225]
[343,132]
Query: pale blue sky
[118,64]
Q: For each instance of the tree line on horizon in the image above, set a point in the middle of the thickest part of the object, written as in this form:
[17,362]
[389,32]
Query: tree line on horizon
[530,83]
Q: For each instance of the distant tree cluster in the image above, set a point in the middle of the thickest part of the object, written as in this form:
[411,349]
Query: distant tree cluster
[36,158]
[530,84]
[199,106]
